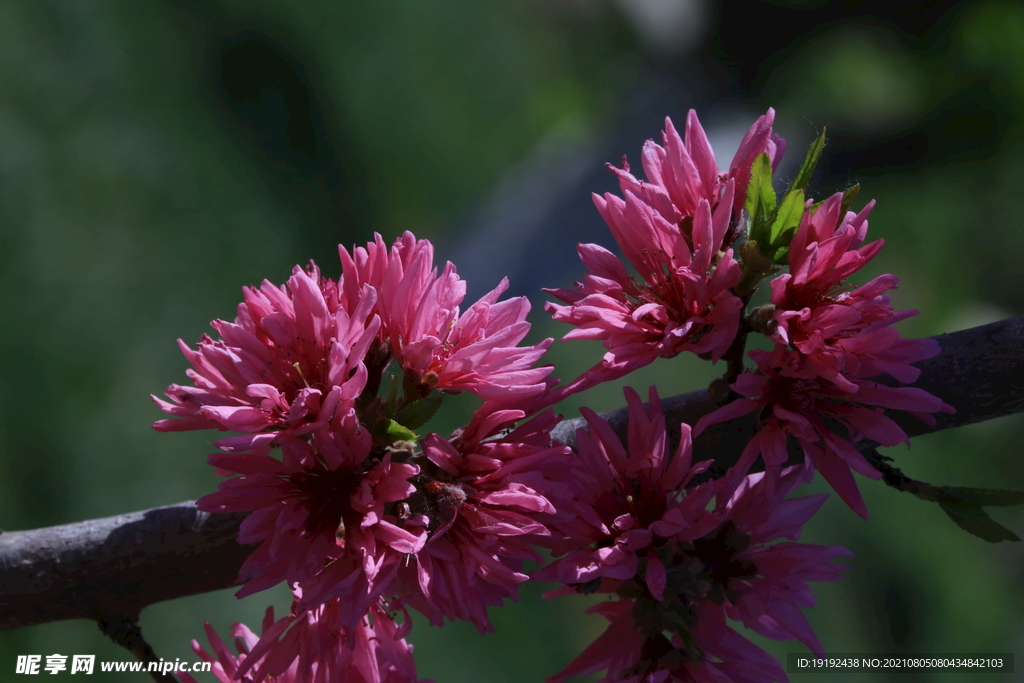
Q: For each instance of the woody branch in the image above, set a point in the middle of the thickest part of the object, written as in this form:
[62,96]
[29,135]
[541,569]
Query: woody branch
[119,565]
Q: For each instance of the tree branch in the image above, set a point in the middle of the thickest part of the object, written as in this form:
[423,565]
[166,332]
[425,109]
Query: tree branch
[121,564]
[116,565]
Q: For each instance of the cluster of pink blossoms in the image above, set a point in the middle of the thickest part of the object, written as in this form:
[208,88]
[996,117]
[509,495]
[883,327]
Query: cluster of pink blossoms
[679,566]
[324,384]
[676,230]
[349,506]
[829,339]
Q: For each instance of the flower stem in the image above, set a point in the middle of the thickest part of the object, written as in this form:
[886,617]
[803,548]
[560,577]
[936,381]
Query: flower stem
[734,354]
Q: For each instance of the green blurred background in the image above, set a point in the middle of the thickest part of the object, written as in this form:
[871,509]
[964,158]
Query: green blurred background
[156,156]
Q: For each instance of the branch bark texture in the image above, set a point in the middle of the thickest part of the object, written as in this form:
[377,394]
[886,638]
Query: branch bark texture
[119,565]
[111,568]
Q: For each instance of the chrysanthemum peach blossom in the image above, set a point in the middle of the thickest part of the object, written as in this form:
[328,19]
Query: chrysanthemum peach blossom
[772,578]
[629,498]
[436,346]
[679,577]
[324,509]
[836,329]
[630,656]
[800,407]
[300,370]
[676,230]
[486,498]
[283,368]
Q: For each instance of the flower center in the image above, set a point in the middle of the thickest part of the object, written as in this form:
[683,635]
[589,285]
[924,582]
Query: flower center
[720,567]
[327,496]
[811,295]
[706,569]
[794,394]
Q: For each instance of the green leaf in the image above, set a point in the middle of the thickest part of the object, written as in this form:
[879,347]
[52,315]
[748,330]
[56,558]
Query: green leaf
[787,220]
[974,520]
[848,196]
[392,396]
[810,161]
[761,201]
[973,496]
[417,413]
[397,432]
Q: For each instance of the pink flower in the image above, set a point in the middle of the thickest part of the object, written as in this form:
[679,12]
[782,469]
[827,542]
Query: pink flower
[770,582]
[323,511]
[628,500]
[315,649]
[836,330]
[800,407]
[300,369]
[292,357]
[682,173]
[683,575]
[436,346]
[676,230]
[485,498]
[831,337]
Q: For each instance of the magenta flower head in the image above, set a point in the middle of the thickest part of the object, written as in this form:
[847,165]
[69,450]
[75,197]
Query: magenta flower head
[282,368]
[681,576]
[771,578]
[833,328]
[800,407]
[628,655]
[320,516]
[486,498]
[313,650]
[435,345]
[831,339]
[629,499]
[676,230]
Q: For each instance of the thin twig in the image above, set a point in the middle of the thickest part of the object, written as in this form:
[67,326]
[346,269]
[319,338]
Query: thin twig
[734,354]
[125,632]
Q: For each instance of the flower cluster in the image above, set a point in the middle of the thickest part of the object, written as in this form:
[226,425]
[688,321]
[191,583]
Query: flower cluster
[326,387]
[830,338]
[353,509]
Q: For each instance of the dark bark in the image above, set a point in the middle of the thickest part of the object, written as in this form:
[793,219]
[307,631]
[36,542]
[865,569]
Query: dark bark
[119,565]
[109,569]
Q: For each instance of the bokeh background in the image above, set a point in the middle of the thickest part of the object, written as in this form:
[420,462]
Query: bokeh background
[155,156]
